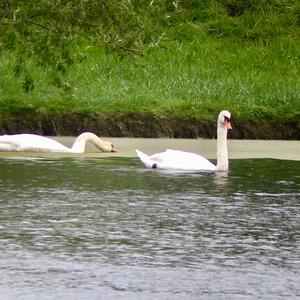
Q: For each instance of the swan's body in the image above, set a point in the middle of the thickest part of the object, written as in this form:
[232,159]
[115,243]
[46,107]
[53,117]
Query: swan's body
[186,161]
[37,143]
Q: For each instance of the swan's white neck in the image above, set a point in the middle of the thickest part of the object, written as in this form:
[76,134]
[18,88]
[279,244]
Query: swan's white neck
[80,142]
[222,154]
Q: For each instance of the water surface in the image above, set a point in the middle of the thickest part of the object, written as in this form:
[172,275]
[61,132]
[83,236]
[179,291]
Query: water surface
[76,228]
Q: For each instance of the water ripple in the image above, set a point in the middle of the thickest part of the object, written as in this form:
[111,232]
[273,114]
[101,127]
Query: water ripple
[78,229]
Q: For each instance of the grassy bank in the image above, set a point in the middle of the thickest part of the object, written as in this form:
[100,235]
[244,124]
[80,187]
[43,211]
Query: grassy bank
[256,83]
[188,80]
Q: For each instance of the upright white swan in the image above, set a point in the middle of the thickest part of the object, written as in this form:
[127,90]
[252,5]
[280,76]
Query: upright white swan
[186,161]
[38,143]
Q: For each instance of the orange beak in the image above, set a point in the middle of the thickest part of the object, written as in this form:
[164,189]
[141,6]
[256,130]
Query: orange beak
[228,124]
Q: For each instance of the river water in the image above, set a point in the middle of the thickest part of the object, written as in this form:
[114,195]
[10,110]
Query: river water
[106,228]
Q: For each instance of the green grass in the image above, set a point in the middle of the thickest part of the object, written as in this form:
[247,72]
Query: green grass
[192,79]
[242,55]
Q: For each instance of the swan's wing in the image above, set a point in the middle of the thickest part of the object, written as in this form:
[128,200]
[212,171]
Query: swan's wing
[7,147]
[179,160]
[160,157]
[32,142]
[183,160]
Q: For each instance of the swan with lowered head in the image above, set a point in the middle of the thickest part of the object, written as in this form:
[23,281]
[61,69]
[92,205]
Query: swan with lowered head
[38,143]
[186,161]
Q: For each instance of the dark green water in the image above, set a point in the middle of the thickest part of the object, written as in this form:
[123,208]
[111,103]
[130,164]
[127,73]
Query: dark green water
[110,229]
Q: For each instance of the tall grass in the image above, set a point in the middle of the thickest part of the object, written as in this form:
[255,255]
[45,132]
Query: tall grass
[195,80]
[187,80]
[247,62]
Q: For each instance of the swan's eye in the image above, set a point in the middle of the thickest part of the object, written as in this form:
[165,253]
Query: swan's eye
[226,119]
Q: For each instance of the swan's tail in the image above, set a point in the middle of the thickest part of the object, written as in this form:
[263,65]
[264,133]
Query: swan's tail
[145,159]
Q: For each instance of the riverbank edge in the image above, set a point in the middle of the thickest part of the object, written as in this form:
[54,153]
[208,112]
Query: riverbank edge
[237,149]
[144,125]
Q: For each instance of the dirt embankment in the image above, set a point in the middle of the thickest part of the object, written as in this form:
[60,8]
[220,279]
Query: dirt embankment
[131,125]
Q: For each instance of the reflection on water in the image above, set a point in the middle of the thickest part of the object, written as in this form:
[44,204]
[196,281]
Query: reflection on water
[76,229]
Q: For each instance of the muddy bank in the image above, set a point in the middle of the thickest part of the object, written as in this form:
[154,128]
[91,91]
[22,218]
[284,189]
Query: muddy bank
[148,126]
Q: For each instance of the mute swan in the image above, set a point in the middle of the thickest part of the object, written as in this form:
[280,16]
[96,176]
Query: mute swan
[37,143]
[186,161]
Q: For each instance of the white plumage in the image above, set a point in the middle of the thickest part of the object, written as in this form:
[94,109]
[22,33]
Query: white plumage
[187,161]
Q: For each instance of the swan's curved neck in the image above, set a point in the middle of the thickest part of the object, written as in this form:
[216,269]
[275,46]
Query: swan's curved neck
[222,154]
[80,142]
